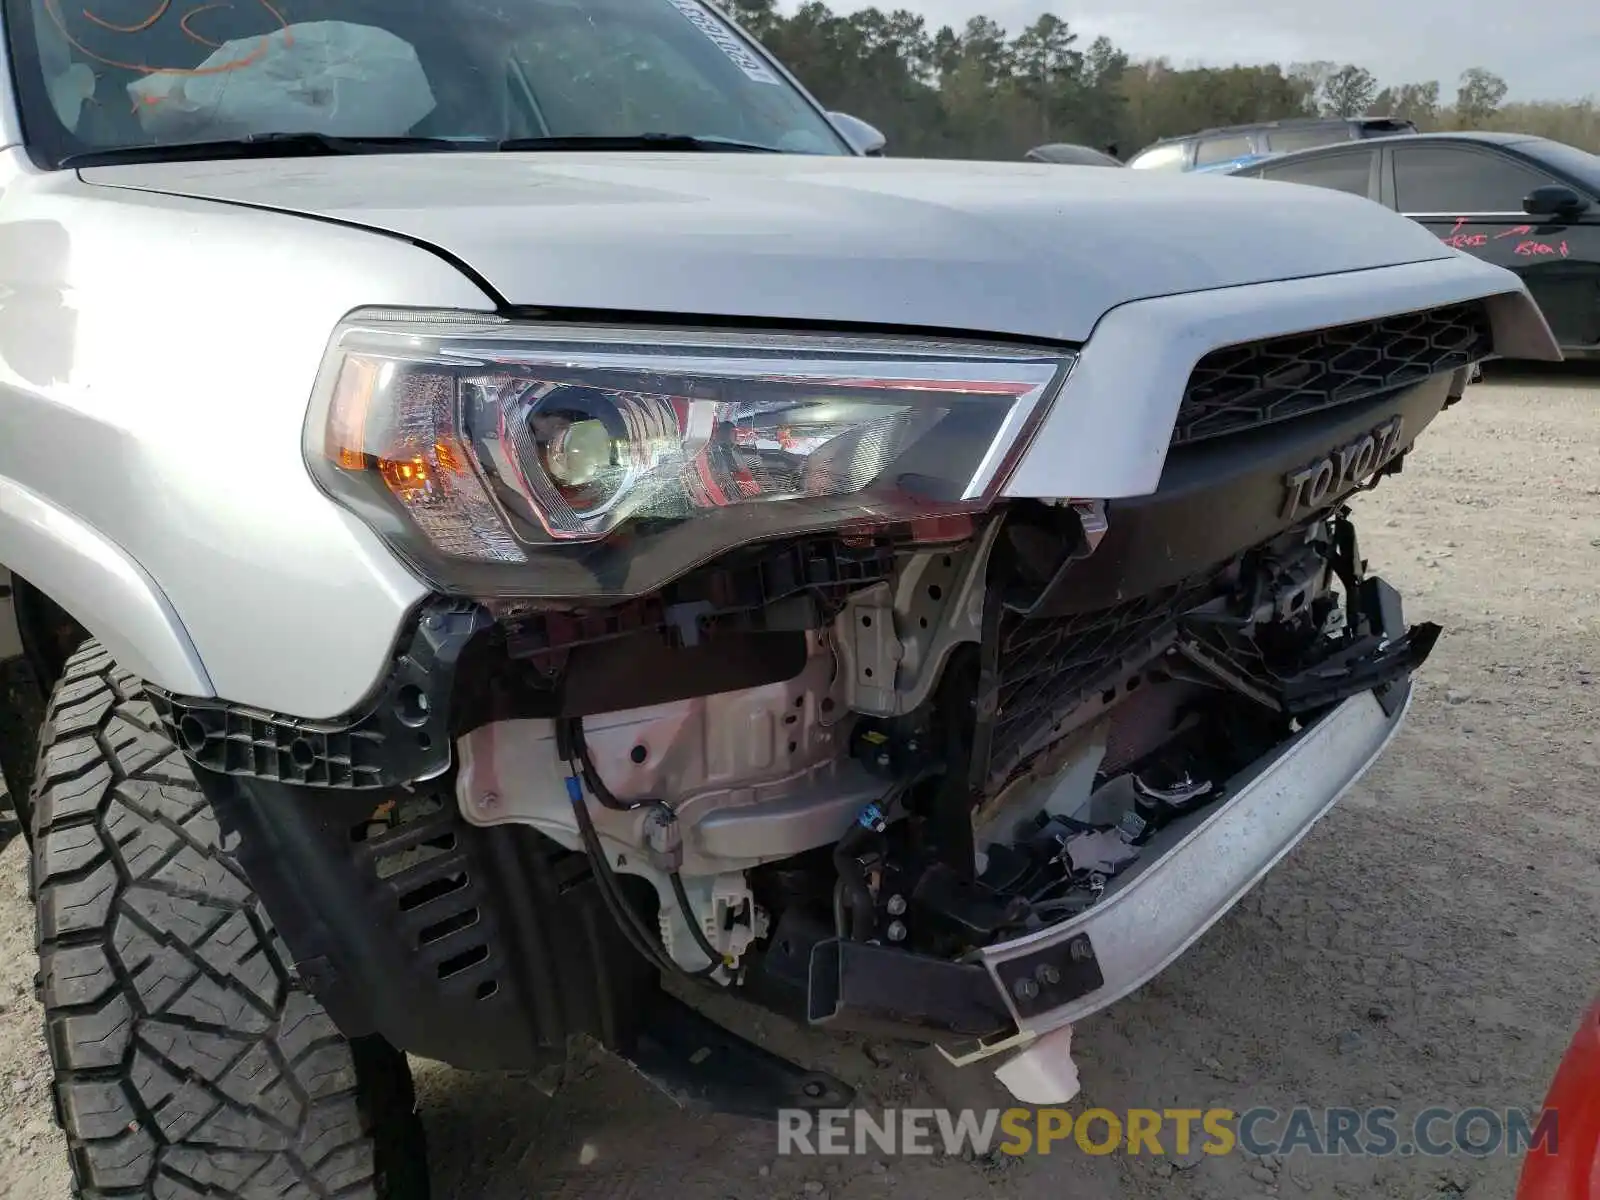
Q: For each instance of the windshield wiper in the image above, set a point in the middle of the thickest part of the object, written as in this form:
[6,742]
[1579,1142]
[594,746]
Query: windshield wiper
[638,141]
[308,145]
[270,145]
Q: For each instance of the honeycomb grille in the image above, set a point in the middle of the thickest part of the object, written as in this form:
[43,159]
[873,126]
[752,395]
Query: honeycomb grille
[1245,387]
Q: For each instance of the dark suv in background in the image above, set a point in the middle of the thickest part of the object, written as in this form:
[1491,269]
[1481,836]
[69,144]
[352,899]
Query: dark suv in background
[1527,203]
[1229,147]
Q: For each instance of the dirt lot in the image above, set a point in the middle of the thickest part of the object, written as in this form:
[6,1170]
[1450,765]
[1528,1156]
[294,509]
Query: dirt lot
[1432,942]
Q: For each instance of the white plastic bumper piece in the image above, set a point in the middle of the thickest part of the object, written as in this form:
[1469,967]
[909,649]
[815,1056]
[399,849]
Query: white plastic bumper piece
[1044,1073]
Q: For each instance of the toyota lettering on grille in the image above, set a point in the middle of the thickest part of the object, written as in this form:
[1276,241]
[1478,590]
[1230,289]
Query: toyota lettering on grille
[1341,469]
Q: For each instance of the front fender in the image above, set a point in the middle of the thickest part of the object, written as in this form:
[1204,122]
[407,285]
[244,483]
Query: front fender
[157,354]
[104,589]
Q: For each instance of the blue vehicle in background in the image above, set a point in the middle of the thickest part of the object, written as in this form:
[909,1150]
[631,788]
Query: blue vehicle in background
[1230,147]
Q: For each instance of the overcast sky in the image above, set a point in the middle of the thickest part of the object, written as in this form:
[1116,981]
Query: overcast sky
[1543,53]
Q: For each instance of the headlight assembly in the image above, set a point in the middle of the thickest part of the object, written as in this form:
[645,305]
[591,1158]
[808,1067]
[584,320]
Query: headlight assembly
[505,458]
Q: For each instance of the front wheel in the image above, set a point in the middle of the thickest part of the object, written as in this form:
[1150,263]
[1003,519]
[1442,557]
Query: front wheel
[188,1060]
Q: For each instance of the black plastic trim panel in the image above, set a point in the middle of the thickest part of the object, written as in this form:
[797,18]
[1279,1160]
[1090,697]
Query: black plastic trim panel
[862,987]
[482,948]
[746,583]
[401,736]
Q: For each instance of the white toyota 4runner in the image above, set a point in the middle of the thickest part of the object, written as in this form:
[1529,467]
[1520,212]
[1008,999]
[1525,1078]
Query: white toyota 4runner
[512,516]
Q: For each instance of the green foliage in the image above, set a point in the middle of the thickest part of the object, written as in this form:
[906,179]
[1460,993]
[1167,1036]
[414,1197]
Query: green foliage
[1417,102]
[1479,96]
[1349,91]
[982,92]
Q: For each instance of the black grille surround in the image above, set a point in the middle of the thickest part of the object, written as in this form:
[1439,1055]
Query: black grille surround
[1244,387]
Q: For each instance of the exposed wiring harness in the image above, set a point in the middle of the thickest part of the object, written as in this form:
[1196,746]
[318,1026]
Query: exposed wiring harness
[574,751]
[854,907]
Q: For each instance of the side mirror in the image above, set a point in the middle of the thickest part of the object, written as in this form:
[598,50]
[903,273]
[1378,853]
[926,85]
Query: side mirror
[1553,200]
[863,138]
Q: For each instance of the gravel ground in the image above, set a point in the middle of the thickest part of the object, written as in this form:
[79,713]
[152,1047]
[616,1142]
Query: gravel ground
[1432,942]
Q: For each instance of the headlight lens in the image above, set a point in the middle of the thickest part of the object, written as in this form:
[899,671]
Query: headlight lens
[506,458]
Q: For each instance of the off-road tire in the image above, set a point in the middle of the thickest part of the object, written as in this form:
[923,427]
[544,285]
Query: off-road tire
[188,1061]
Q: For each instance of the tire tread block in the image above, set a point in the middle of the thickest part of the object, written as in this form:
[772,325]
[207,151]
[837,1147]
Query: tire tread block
[188,1064]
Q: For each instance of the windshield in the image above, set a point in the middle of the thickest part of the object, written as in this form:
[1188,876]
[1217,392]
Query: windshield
[1580,164]
[106,74]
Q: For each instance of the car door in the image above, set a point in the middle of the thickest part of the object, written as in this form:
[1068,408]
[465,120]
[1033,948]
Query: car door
[1351,170]
[1471,198]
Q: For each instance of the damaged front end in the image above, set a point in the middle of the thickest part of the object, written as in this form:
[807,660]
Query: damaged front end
[1104,750]
[961,772]
[874,858]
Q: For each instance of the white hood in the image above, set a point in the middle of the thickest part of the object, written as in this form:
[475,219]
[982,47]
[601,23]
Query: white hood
[1031,250]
